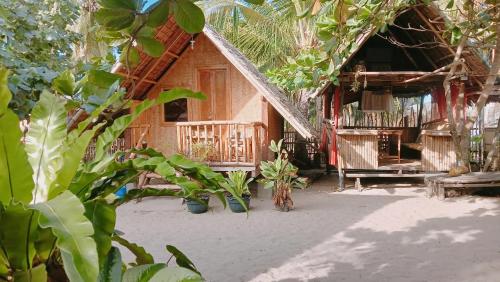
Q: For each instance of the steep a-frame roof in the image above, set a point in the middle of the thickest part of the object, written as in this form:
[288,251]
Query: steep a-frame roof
[429,19]
[150,71]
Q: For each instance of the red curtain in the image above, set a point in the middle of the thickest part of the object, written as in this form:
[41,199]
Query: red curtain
[439,98]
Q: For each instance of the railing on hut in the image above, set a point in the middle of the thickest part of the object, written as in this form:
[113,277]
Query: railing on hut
[222,143]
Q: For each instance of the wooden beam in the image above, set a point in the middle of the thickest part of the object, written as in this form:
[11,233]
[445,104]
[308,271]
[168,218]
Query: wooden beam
[158,60]
[414,63]
[135,77]
[436,32]
[412,41]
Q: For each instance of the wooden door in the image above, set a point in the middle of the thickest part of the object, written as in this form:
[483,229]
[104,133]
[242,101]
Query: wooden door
[213,83]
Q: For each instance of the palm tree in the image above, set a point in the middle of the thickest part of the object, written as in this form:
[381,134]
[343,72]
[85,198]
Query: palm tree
[267,34]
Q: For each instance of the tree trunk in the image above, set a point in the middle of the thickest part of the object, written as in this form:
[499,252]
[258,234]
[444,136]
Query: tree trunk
[447,91]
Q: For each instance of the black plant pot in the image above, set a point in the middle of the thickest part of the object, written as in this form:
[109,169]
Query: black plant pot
[235,206]
[196,207]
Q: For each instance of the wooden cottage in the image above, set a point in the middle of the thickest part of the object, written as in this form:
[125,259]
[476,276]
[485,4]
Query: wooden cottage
[388,116]
[232,128]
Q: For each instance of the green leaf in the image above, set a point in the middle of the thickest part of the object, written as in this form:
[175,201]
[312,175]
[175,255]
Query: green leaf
[35,274]
[181,259]
[142,273]
[103,218]
[151,46]
[450,4]
[65,216]
[103,79]
[44,142]
[133,57]
[44,243]
[16,180]
[65,83]
[189,16]
[176,274]
[158,14]
[18,224]
[145,192]
[141,256]
[5,95]
[114,19]
[118,4]
[456,35]
[73,152]
[112,269]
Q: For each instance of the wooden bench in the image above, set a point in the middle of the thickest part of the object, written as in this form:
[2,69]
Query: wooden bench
[437,185]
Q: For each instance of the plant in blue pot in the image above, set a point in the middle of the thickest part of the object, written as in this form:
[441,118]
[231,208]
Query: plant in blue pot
[238,182]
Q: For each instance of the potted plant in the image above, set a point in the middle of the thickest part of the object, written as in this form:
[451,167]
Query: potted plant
[281,176]
[237,182]
[196,181]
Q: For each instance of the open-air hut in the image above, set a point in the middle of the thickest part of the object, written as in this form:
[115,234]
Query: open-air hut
[364,133]
[232,128]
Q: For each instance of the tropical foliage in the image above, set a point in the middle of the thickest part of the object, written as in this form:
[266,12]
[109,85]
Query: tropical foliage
[238,182]
[267,33]
[65,209]
[35,44]
[281,176]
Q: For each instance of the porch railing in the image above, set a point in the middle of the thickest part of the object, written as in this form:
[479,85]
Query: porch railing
[221,142]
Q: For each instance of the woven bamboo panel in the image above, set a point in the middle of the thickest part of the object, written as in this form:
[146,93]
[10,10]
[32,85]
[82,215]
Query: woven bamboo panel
[438,153]
[358,151]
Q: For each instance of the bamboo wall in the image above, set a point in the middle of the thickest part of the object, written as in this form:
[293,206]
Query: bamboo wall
[438,153]
[358,149]
[244,103]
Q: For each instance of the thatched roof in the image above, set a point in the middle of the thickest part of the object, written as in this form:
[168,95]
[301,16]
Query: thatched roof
[428,23]
[151,70]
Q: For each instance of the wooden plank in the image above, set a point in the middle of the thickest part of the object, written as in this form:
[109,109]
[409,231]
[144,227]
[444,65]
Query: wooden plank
[388,175]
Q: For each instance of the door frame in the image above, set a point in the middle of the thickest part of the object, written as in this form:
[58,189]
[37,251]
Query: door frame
[225,67]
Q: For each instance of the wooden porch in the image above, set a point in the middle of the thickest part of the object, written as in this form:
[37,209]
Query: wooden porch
[224,145]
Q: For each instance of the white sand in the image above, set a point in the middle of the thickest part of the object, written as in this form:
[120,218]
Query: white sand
[375,235]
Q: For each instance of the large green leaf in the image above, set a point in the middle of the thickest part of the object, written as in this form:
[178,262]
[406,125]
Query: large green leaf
[141,256]
[65,83]
[158,14]
[35,274]
[142,273]
[115,19]
[120,124]
[181,259]
[112,268]
[144,193]
[151,46]
[44,243]
[15,171]
[72,154]
[5,95]
[65,216]
[189,16]
[16,180]
[17,235]
[103,218]
[176,274]
[44,142]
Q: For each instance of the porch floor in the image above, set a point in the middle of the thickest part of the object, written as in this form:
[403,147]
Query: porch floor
[403,165]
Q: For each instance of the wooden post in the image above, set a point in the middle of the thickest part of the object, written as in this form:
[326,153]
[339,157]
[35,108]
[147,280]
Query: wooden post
[419,121]
[254,143]
[341,125]
[179,138]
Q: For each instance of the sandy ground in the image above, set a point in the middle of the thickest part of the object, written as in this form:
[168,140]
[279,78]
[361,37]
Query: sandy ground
[391,234]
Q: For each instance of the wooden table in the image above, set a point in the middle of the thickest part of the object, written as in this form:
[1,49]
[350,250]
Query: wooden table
[398,133]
